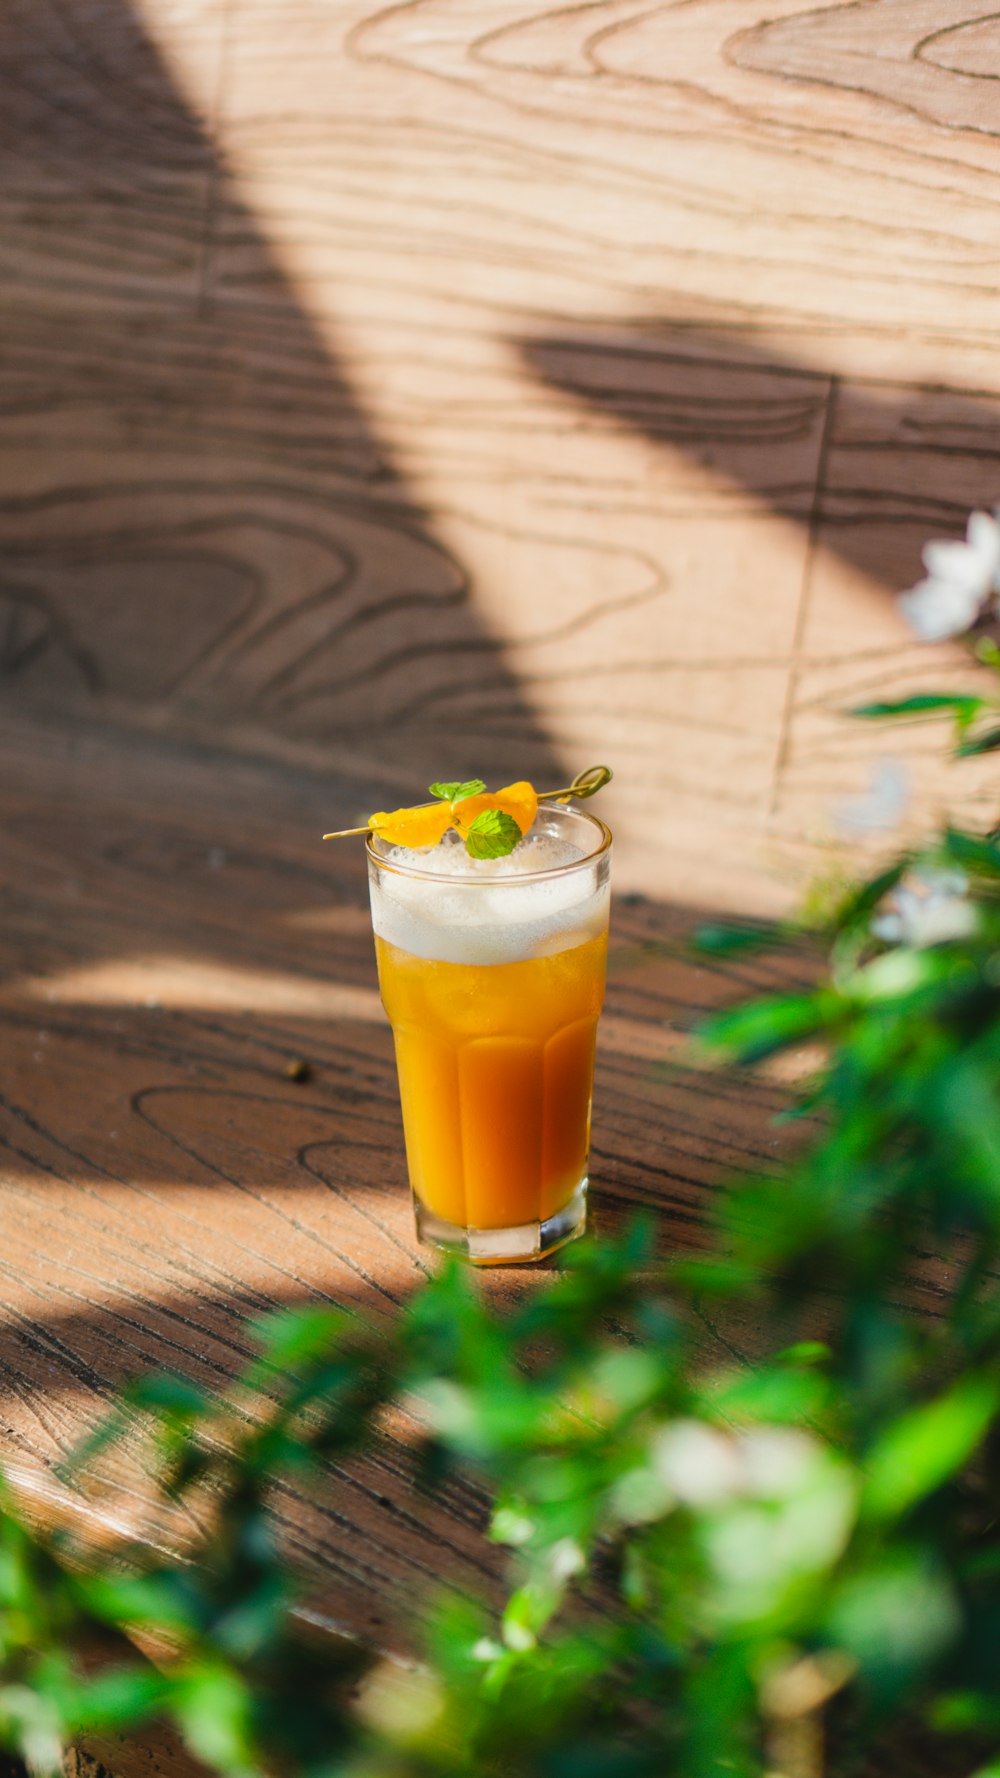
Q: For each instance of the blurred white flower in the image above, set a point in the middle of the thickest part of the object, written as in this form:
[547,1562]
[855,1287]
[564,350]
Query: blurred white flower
[771,1504]
[486,1649]
[761,1547]
[881,806]
[699,1465]
[445,1407]
[705,1467]
[563,1560]
[777,1460]
[961,578]
[928,907]
[508,1525]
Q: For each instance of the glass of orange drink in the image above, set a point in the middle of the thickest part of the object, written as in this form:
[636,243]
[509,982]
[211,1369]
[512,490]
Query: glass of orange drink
[492,975]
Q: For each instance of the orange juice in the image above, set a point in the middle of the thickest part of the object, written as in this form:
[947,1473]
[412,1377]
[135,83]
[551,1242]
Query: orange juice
[492,974]
[496,1068]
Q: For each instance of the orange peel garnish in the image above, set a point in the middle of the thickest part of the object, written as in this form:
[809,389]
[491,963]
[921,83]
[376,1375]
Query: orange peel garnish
[519,800]
[427,823]
[421,826]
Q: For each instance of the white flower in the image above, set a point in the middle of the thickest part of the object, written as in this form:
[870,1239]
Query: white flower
[961,578]
[880,807]
[511,1526]
[486,1649]
[929,907]
[777,1460]
[563,1560]
[700,1465]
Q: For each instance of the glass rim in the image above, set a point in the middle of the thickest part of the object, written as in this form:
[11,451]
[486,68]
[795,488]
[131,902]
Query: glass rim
[528,876]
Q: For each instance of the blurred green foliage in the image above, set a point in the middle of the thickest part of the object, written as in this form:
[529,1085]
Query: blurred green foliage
[705,1563]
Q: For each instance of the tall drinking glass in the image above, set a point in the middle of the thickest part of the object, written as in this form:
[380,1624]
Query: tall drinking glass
[492,974]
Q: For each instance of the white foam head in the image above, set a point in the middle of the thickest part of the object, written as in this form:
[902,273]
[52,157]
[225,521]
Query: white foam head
[547,895]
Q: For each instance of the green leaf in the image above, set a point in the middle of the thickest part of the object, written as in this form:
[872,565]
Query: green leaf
[728,941]
[965,708]
[164,1392]
[986,742]
[453,793]
[528,1611]
[290,1338]
[961,1711]
[783,1395]
[805,1352]
[751,1033]
[973,852]
[895,1618]
[214,1708]
[857,907]
[493,834]
[119,1698]
[923,1448]
[713,1275]
[130,1599]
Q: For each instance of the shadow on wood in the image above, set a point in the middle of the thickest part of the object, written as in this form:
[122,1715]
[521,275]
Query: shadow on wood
[200,527]
[896,465]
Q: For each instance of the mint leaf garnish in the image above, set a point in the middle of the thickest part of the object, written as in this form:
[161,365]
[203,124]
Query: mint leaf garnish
[492,835]
[453,793]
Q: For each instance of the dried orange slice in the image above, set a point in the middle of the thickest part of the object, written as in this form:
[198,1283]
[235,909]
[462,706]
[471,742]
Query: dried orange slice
[423,826]
[519,800]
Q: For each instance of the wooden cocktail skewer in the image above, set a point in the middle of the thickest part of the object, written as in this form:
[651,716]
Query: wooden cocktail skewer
[584,784]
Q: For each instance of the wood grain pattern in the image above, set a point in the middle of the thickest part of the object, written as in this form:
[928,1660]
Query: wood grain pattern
[385,373]
[393,390]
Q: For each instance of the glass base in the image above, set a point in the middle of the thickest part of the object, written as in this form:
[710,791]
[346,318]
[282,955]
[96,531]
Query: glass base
[505,1247]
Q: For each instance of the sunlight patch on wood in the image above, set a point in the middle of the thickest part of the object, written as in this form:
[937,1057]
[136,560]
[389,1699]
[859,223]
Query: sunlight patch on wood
[196,984]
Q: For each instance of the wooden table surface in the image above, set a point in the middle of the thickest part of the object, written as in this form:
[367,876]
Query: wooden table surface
[174,935]
[581,380]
